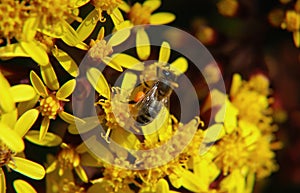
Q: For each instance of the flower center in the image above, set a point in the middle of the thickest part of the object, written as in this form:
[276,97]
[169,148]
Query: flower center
[68,158]
[12,17]
[5,154]
[139,14]
[99,50]
[106,5]
[50,106]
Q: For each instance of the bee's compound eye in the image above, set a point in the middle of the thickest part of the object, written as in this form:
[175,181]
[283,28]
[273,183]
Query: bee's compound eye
[139,95]
[166,73]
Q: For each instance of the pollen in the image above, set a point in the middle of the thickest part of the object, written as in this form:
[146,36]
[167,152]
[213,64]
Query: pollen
[53,12]
[12,17]
[50,106]
[99,50]
[139,14]
[5,154]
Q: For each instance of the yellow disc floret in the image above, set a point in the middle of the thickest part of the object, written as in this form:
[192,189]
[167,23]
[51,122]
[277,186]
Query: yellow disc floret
[50,106]
[139,14]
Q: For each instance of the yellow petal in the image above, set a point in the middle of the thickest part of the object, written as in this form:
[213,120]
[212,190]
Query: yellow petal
[23,187]
[37,84]
[2,181]
[71,119]
[179,66]
[66,62]
[6,103]
[30,28]
[24,106]
[81,173]
[192,182]
[161,18]
[89,124]
[88,25]
[142,44]
[50,139]
[49,77]
[10,118]
[82,46]
[26,121]
[162,186]
[201,168]
[70,36]
[87,160]
[152,4]
[108,61]
[124,7]
[36,52]
[296,37]
[164,53]
[13,50]
[124,138]
[44,128]
[98,81]
[214,133]
[11,138]
[55,30]
[78,3]
[52,167]
[22,92]
[175,180]
[129,81]
[66,90]
[123,25]
[236,84]
[127,61]
[27,168]
[117,17]
[119,37]
[101,32]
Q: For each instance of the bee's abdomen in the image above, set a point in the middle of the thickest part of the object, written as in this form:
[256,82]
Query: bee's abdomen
[149,112]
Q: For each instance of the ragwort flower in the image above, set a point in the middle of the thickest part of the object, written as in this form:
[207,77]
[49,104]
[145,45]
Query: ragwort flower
[12,130]
[68,159]
[51,103]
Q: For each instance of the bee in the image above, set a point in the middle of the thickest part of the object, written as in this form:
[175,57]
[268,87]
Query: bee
[149,104]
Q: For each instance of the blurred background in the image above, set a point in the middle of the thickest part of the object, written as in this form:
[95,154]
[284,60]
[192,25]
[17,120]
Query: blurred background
[247,37]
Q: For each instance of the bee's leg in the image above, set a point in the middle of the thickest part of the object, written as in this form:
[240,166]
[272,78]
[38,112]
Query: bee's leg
[106,136]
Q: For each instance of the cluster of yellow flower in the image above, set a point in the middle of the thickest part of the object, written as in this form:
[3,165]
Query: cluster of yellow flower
[287,19]
[229,162]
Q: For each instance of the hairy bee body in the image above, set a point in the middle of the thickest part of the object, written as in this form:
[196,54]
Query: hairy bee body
[147,109]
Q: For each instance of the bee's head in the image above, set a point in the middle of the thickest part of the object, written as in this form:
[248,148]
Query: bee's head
[167,74]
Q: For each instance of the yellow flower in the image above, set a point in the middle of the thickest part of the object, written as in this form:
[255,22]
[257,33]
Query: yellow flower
[12,130]
[291,23]
[111,8]
[141,14]
[68,159]
[52,13]
[228,8]
[65,183]
[51,103]
[100,50]
[12,17]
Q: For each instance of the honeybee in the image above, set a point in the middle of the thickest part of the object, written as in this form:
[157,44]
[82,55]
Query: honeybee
[148,105]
